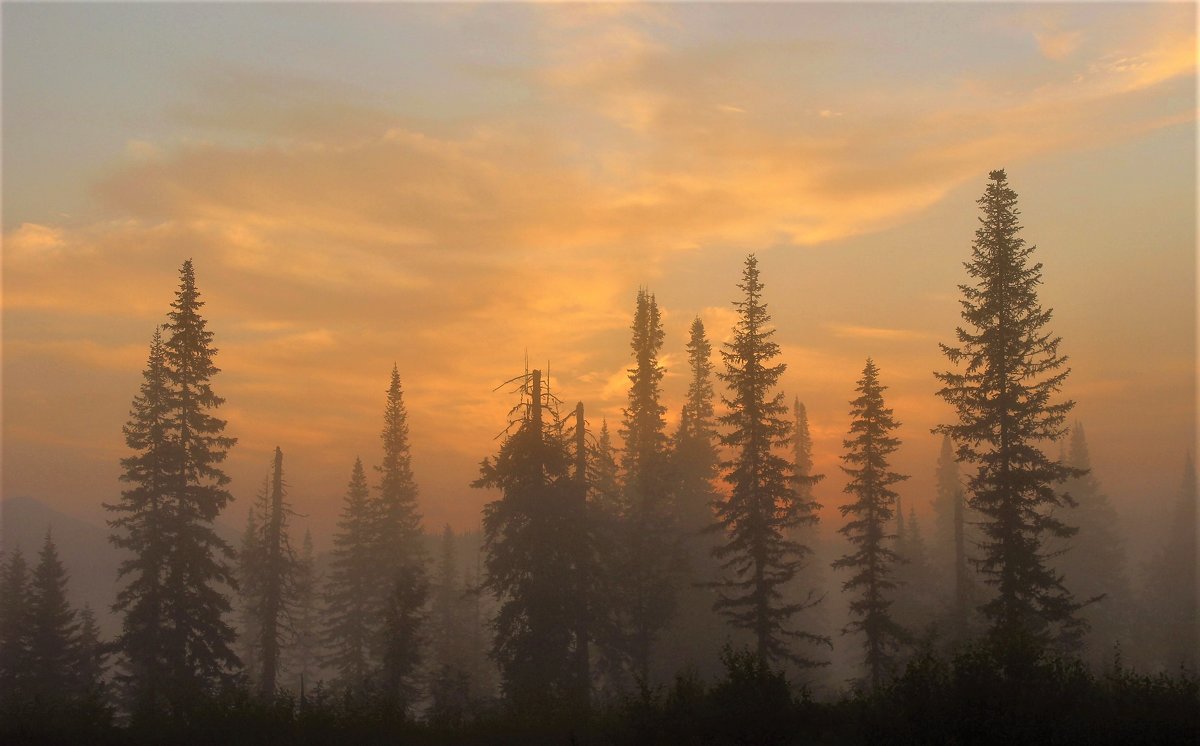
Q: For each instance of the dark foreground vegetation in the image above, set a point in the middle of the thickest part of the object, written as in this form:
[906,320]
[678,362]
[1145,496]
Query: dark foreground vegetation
[972,699]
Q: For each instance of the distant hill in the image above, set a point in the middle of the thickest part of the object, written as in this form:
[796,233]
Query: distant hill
[91,561]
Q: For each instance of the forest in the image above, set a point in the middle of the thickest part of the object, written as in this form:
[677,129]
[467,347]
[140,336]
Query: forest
[634,583]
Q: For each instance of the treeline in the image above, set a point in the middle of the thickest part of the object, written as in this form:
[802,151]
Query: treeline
[672,587]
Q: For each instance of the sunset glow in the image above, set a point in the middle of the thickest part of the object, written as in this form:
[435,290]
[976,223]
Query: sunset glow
[452,188]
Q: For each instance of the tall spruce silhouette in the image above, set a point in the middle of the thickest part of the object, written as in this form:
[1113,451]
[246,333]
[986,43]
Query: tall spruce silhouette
[873,558]
[14,625]
[649,552]
[399,544]
[175,640]
[1007,371]
[758,557]
[350,621]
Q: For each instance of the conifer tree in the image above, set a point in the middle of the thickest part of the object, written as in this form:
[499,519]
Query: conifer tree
[649,556]
[447,607]
[873,558]
[15,625]
[89,656]
[1007,372]
[403,621]
[305,642]
[531,535]
[52,627]
[350,626]
[947,491]
[249,638]
[1170,589]
[274,574]
[695,458]
[142,527]
[399,551]
[758,557]
[696,635]
[1093,563]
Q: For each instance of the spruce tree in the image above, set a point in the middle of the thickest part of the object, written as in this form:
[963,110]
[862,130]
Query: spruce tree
[1007,372]
[447,607]
[648,555]
[350,622]
[399,552]
[142,527]
[52,627]
[15,626]
[531,538]
[873,558]
[761,510]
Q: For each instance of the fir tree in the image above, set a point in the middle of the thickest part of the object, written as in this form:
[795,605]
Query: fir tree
[349,592]
[15,625]
[531,535]
[873,559]
[143,528]
[399,551]
[52,627]
[649,559]
[758,557]
[1008,371]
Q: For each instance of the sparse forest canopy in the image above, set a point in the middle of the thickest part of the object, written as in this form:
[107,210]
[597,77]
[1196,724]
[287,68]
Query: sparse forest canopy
[673,585]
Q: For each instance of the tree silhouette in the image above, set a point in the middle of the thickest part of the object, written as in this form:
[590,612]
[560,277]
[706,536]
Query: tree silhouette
[350,624]
[758,557]
[1008,370]
[873,558]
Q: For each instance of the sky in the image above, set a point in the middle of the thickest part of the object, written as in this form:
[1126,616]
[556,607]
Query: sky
[454,188]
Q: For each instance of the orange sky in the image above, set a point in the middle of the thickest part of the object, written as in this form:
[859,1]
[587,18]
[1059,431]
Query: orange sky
[448,187]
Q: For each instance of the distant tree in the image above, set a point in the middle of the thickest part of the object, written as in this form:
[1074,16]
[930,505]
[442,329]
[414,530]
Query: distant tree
[806,534]
[249,639]
[1008,370]
[695,636]
[917,598]
[15,625]
[305,640]
[531,535]
[695,459]
[143,527]
[604,480]
[399,552]
[649,555]
[90,656]
[873,558]
[758,558]
[1093,563]
[951,542]
[350,624]
[446,603]
[1170,588]
[52,627]
[274,573]
[403,620]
